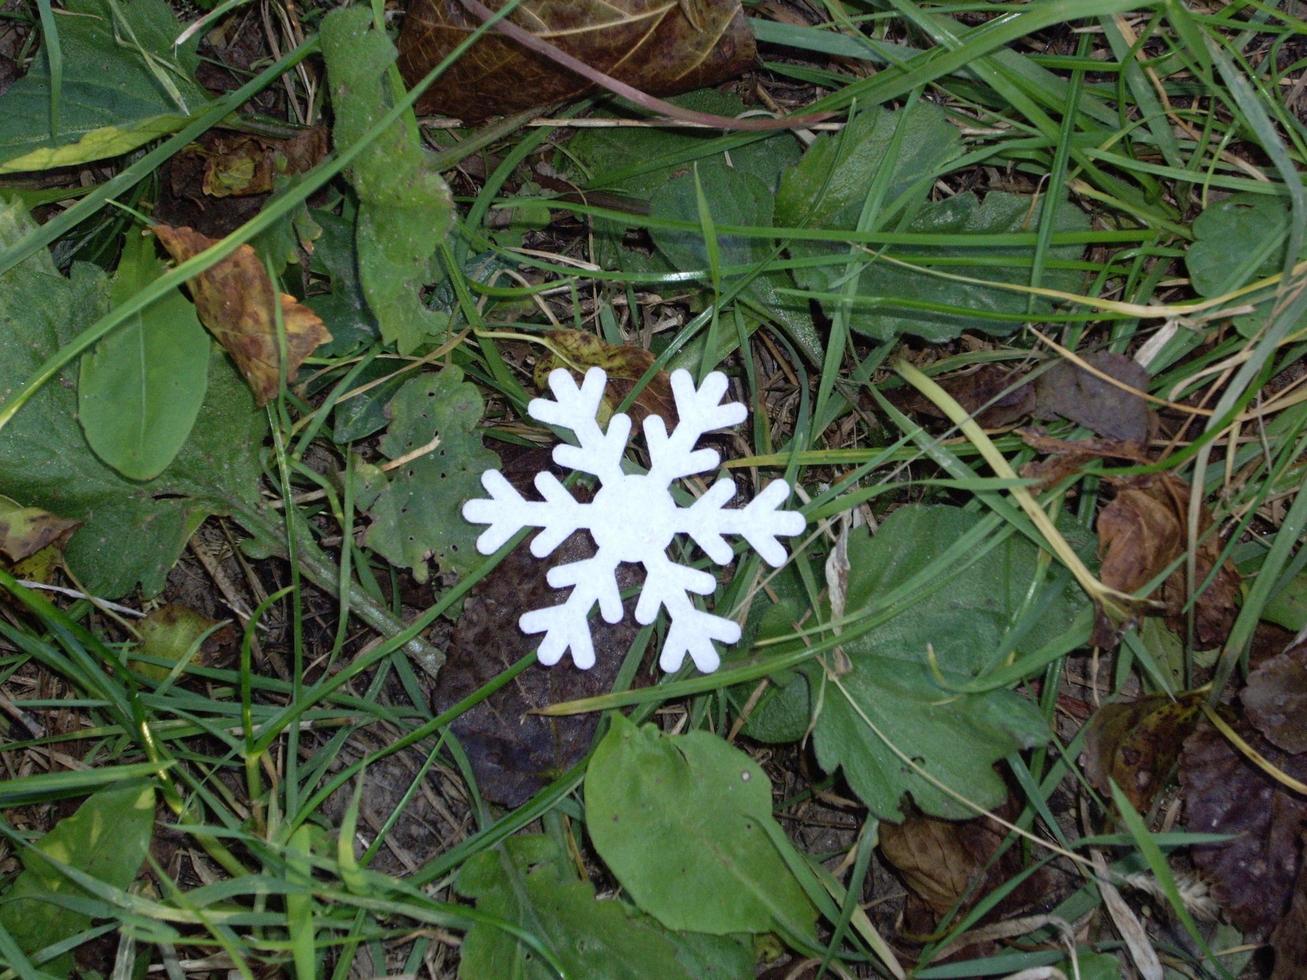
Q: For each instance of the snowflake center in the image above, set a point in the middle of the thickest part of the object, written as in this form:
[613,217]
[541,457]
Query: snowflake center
[636,518]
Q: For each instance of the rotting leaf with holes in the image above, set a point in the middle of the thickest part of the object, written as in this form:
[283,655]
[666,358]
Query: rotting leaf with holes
[624,364]
[132,531]
[234,298]
[142,386]
[685,824]
[418,515]
[1136,744]
[107,839]
[405,209]
[529,882]
[965,614]
[654,45]
[116,95]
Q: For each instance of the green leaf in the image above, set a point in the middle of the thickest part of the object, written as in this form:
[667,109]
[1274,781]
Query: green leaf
[132,531]
[966,619]
[419,513]
[528,882]
[124,84]
[142,386]
[896,300]
[829,186]
[345,309]
[405,208]
[106,838]
[681,822]
[1236,241]
[735,198]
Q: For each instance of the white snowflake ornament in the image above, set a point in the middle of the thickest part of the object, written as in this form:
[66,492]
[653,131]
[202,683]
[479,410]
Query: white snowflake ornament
[633,518]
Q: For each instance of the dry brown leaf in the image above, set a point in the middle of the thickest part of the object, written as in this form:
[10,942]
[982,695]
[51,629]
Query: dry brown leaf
[242,164]
[577,350]
[1289,940]
[1142,531]
[1067,457]
[994,395]
[1253,875]
[1071,392]
[1137,744]
[1275,699]
[234,300]
[659,46]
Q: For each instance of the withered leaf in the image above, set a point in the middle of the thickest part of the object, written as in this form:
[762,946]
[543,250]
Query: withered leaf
[513,752]
[242,164]
[234,300]
[1067,457]
[1275,699]
[1289,940]
[624,364]
[168,633]
[24,531]
[943,862]
[993,394]
[1253,875]
[1071,392]
[1137,744]
[1143,530]
[650,44]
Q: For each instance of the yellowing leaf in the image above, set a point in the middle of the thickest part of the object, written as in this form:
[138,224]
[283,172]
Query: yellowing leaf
[660,46]
[625,364]
[24,531]
[234,300]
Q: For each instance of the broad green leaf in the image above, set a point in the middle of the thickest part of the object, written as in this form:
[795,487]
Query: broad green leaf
[735,198]
[1288,606]
[1236,241]
[405,208]
[106,838]
[529,882]
[124,84]
[830,184]
[893,300]
[142,386]
[681,821]
[344,310]
[965,619]
[132,531]
[419,514]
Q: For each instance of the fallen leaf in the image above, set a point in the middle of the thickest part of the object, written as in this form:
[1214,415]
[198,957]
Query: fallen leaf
[243,164]
[1253,875]
[169,632]
[1137,743]
[1275,699]
[650,44]
[513,752]
[625,364]
[1071,392]
[1289,940]
[994,395]
[24,531]
[1142,531]
[1068,457]
[234,300]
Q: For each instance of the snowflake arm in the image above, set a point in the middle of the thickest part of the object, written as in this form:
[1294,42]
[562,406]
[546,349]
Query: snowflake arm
[575,408]
[760,522]
[699,411]
[506,512]
[566,626]
[692,630]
